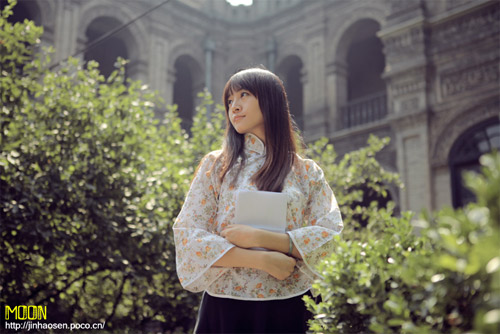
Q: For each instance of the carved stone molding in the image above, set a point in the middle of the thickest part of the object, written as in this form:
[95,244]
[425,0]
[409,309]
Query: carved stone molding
[469,79]
[446,128]
[408,91]
[481,24]
[412,103]
[408,86]
[405,44]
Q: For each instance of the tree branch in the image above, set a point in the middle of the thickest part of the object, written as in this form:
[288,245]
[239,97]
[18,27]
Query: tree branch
[67,286]
[117,299]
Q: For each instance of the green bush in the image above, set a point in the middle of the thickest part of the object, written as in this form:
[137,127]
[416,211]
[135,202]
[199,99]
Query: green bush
[90,185]
[445,278]
[359,182]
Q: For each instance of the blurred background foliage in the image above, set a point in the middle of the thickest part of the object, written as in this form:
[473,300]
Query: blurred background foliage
[91,182]
[438,273]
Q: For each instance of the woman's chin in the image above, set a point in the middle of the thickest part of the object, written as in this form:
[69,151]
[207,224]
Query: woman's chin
[240,131]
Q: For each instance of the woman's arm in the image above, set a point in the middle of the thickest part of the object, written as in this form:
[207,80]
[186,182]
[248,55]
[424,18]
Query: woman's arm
[274,263]
[248,237]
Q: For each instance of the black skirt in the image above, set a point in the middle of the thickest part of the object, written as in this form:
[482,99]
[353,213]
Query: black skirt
[225,315]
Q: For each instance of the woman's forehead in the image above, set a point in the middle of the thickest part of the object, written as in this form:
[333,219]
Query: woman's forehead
[234,87]
[236,84]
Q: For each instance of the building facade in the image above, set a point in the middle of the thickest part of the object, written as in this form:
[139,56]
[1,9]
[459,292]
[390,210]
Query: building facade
[423,72]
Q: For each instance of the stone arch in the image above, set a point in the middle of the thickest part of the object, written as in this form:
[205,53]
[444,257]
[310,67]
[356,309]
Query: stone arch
[113,47]
[134,36]
[364,59]
[30,10]
[292,49]
[188,82]
[449,131]
[360,88]
[187,48]
[290,70]
[340,36]
[357,31]
[483,137]
[195,52]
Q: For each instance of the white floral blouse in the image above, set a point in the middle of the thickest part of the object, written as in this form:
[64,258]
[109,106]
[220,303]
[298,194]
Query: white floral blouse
[313,218]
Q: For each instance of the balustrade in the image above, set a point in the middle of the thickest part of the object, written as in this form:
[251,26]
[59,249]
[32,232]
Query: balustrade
[364,110]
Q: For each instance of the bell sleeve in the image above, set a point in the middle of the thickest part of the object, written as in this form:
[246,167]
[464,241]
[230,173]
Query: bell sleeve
[197,245]
[322,221]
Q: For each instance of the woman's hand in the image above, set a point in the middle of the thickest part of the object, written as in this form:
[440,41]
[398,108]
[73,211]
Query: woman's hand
[278,264]
[245,236]
[275,264]
[241,235]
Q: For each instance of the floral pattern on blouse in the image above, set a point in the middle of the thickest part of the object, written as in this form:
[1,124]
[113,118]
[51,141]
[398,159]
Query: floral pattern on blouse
[313,219]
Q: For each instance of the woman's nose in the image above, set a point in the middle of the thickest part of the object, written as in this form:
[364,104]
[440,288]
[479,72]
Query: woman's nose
[235,107]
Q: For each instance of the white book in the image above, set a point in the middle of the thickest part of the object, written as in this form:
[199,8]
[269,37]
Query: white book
[261,209]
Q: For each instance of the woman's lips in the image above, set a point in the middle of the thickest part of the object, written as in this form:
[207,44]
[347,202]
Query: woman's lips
[237,118]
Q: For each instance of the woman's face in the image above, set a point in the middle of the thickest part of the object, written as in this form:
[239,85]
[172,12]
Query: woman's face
[245,114]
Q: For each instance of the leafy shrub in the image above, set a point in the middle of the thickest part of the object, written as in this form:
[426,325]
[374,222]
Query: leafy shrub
[90,185]
[353,177]
[443,279]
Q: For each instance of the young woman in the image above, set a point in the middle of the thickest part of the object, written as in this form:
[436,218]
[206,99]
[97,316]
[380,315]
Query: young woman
[248,290]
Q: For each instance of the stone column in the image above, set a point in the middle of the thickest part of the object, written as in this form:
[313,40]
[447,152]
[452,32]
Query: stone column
[209,47]
[336,85]
[158,62]
[315,110]
[219,76]
[271,54]
[138,70]
[404,37]
[66,31]
[170,82]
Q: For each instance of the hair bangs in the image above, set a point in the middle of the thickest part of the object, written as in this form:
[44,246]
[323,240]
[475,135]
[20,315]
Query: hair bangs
[246,79]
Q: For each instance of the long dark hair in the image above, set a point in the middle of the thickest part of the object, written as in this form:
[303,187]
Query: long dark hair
[280,131]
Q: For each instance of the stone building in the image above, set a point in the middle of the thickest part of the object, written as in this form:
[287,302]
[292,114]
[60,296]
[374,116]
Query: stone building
[423,72]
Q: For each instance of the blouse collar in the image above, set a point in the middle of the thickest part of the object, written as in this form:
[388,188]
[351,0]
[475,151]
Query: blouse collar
[254,144]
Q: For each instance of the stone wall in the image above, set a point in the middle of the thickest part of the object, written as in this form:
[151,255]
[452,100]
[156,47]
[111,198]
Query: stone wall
[441,73]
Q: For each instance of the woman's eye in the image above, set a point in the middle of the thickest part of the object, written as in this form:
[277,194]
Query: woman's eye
[244,94]
[229,102]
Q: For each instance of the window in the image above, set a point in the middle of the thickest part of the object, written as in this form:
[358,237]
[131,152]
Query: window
[465,153]
[106,52]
